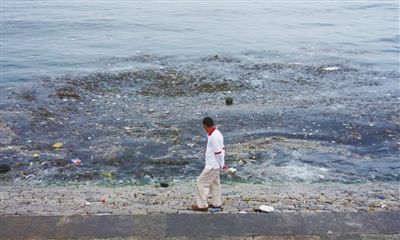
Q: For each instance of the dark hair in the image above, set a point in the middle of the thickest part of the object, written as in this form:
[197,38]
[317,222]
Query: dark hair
[208,122]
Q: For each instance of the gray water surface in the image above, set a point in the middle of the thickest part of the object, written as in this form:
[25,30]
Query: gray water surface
[57,37]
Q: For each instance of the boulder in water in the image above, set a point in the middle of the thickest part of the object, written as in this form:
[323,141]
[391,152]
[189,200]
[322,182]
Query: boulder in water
[228,101]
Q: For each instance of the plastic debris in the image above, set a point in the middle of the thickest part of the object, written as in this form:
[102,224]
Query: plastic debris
[232,170]
[107,174]
[57,145]
[164,184]
[214,210]
[36,155]
[88,203]
[331,68]
[371,208]
[321,176]
[266,208]
[76,161]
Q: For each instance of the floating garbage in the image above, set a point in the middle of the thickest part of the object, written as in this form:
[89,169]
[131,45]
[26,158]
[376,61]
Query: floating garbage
[57,145]
[4,168]
[164,184]
[76,161]
[107,174]
[266,208]
[331,68]
[232,170]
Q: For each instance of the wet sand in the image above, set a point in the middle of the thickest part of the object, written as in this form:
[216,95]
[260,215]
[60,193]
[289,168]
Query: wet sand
[237,198]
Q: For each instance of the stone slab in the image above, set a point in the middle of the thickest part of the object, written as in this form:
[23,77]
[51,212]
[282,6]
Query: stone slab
[386,222]
[313,225]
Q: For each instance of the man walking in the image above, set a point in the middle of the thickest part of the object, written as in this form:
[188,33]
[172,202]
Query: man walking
[209,178]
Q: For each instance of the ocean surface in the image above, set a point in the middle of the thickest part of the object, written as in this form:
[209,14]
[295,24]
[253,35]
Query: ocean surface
[123,85]
[41,37]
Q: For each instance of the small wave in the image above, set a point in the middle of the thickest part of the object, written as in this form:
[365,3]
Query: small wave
[371,6]
[319,24]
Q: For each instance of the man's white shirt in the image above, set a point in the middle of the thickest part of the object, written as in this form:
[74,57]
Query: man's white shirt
[215,152]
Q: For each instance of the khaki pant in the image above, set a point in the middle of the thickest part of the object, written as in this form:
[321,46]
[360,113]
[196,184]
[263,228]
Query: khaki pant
[208,180]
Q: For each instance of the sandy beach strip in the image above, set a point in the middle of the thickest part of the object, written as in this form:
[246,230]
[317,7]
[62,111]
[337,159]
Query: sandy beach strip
[91,199]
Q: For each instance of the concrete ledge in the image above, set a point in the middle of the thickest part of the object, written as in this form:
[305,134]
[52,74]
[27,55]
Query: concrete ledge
[329,225]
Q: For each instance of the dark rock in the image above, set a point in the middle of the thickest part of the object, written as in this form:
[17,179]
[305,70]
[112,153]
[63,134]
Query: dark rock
[169,162]
[4,168]
[29,95]
[44,112]
[64,93]
[228,101]
[164,184]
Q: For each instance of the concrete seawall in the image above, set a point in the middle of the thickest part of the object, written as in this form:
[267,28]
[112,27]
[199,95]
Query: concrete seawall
[324,225]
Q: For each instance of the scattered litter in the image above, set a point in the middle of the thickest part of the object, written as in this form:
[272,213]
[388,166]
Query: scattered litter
[232,170]
[88,203]
[164,184]
[371,208]
[107,174]
[321,176]
[264,208]
[76,161]
[331,68]
[36,155]
[214,210]
[103,201]
[57,145]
